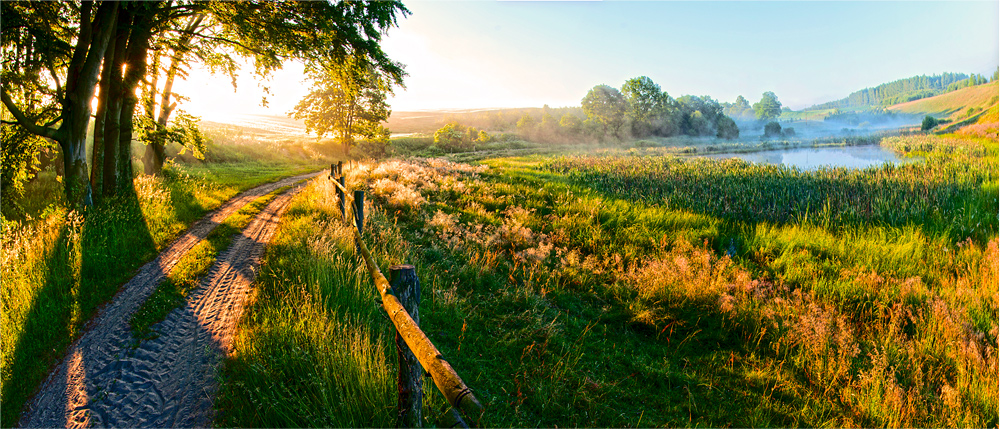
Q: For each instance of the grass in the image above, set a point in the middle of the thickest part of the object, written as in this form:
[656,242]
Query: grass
[59,267]
[189,271]
[952,104]
[312,349]
[564,300]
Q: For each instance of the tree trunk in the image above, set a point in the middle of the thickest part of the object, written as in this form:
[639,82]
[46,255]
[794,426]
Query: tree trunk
[112,124]
[155,154]
[82,77]
[136,53]
[100,117]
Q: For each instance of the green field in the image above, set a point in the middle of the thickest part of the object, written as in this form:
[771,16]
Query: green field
[639,289]
[953,104]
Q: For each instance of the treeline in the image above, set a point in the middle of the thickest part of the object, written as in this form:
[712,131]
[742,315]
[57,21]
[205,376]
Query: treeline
[639,109]
[903,90]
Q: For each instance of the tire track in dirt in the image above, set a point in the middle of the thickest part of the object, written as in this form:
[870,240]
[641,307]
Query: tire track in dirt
[167,381]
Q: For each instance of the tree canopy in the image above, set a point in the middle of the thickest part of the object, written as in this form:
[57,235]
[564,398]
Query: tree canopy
[349,101]
[768,107]
[606,106]
[55,54]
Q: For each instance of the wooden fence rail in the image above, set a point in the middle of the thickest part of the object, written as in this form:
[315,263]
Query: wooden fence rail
[445,378]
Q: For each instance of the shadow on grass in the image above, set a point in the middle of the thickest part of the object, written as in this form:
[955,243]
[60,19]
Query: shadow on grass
[86,267]
[46,329]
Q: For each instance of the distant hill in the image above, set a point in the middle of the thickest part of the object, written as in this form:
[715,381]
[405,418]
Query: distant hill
[955,104]
[903,90]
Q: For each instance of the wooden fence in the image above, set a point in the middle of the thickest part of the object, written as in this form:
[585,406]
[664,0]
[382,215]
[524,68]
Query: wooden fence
[400,299]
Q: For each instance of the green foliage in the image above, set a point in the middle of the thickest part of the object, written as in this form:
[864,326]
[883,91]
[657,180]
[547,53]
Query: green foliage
[788,132]
[348,101]
[740,109]
[727,128]
[919,194]
[772,129]
[648,106]
[928,123]
[606,106]
[571,123]
[312,345]
[768,107]
[898,91]
[183,131]
[455,138]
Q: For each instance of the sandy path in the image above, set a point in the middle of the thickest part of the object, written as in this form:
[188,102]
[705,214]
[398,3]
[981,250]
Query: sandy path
[167,381]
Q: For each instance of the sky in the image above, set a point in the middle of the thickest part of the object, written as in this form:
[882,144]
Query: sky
[488,54]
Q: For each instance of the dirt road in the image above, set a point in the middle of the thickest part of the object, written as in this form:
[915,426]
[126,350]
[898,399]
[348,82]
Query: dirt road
[169,381]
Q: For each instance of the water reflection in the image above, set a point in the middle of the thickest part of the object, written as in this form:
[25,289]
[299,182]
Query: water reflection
[856,157]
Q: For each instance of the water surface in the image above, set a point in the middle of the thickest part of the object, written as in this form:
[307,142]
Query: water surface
[855,157]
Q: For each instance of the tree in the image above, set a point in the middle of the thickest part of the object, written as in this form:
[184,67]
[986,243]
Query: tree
[71,69]
[347,101]
[70,47]
[772,129]
[606,106]
[453,137]
[179,41]
[726,128]
[647,103]
[570,123]
[928,123]
[768,107]
[739,109]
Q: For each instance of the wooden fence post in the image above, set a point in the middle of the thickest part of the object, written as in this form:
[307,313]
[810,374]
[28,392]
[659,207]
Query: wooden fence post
[359,210]
[409,381]
[340,199]
[340,168]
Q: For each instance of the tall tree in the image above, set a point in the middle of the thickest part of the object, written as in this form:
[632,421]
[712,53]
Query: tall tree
[606,106]
[269,33]
[74,90]
[768,107]
[348,101]
[647,104]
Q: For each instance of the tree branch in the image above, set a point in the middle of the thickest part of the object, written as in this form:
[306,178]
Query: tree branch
[23,120]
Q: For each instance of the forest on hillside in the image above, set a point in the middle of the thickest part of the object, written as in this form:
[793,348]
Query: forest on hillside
[903,90]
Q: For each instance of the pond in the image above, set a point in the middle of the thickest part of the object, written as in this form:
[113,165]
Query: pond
[856,157]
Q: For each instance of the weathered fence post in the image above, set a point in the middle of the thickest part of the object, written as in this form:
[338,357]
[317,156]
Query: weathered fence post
[409,382]
[359,210]
[340,198]
[340,168]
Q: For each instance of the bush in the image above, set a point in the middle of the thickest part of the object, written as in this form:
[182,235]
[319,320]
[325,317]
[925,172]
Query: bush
[929,123]
[727,128]
[453,138]
[788,132]
[772,129]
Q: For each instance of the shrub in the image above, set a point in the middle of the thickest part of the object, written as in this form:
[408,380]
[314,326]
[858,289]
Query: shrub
[772,129]
[726,128]
[453,138]
[929,122]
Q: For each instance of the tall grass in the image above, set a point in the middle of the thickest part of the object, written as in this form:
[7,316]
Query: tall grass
[313,347]
[561,302]
[954,193]
[60,266]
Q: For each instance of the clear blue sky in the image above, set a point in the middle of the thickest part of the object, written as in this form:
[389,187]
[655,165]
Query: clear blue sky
[519,54]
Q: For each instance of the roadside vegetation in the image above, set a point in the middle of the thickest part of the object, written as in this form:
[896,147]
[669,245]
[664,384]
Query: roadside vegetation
[647,289]
[59,266]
